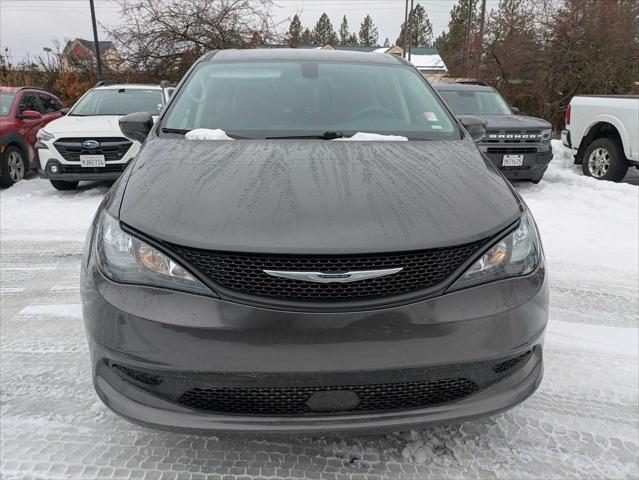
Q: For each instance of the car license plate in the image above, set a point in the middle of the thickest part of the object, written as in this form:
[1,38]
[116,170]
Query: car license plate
[92,161]
[512,161]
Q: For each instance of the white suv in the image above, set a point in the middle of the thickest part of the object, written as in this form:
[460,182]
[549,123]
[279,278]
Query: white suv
[87,143]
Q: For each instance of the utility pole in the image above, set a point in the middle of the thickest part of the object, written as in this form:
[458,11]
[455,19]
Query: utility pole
[482,22]
[404,52]
[410,29]
[468,39]
[98,57]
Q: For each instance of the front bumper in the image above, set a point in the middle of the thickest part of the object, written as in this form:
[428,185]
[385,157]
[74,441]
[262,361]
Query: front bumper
[53,166]
[206,342]
[72,173]
[534,163]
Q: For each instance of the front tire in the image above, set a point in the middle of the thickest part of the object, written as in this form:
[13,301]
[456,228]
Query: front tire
[604,160]
[63,185]
[13,166]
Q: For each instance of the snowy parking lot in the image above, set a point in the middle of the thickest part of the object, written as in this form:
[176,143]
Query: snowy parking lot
[583,422]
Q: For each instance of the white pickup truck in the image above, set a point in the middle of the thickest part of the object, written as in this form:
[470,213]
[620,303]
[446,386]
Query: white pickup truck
[603,132]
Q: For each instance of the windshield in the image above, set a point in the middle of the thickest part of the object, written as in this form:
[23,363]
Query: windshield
[476,102]
[6,100]
[120,101]
[269,99]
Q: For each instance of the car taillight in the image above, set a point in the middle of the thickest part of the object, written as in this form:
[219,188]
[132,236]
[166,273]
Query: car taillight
[568,115]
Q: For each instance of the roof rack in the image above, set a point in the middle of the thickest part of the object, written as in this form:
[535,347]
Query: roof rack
[464,81]
[101,83]
[27,87]
[167,83]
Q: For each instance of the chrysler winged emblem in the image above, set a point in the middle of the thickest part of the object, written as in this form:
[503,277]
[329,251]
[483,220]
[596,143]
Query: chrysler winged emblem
[329,277]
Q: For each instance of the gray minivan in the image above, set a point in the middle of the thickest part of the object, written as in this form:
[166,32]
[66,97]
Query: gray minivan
[309,240]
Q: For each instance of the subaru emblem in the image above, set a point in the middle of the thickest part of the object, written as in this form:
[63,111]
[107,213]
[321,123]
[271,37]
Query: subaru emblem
[90,144]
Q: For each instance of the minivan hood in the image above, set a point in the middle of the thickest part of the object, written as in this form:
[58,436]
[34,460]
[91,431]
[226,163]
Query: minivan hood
[514,122]
[316,196]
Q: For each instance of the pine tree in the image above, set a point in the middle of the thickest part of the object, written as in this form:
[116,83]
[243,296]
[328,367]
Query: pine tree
[387,43]
[352,39]
[323,32]
[344,34]
[307,38]
[421,29]
[454,43]
[368,34]
[294,32]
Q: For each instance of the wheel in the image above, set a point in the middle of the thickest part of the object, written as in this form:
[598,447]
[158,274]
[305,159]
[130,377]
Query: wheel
[604,160]
[13,166]
[64,185]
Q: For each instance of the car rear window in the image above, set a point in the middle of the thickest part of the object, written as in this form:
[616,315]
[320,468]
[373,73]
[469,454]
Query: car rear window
[119,101]
[6,100]
[465,102]
[264,99]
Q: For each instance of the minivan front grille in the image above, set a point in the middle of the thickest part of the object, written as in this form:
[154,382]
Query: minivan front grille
[244,272]
[113,148]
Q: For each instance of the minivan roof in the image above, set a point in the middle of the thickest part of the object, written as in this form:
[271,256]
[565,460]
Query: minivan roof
[301,54]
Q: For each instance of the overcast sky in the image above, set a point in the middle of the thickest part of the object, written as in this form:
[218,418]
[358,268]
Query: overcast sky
[26,26]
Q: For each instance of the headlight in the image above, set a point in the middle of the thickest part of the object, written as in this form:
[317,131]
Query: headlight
[516,254]
[126,259]
[546,134]
[43,135]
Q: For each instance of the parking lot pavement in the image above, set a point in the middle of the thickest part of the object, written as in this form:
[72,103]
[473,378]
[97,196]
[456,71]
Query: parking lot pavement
[581,423]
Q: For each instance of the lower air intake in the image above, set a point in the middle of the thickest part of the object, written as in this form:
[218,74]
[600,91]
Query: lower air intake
[295,400]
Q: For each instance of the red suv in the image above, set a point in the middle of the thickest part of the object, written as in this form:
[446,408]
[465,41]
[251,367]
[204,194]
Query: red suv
[23,111]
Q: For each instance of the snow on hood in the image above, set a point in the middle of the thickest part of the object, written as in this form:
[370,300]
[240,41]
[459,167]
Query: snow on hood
[373,137]
[207,134]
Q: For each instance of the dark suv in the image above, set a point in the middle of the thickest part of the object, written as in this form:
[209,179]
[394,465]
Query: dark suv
[308,240]
[23,111]
[518,145]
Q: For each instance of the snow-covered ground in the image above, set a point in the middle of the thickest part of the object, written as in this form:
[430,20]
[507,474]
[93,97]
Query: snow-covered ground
[582,422]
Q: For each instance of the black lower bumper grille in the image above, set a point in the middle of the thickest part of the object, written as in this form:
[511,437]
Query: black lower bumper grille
[327,393]
[511,363]
[142,377]
[244,272]
[511,150]
[298,400]
[120,167]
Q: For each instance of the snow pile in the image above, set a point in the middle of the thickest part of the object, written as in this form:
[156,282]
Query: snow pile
[570,207]
[34,210]
[207,134]
[373,137]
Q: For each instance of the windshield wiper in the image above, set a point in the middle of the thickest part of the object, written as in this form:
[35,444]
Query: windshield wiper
[180,131]
[330,135]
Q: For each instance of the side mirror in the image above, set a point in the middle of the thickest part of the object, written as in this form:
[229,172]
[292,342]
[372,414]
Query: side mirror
[136,126]
[29,115]
[515,110]
[476,127]
[64,111]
